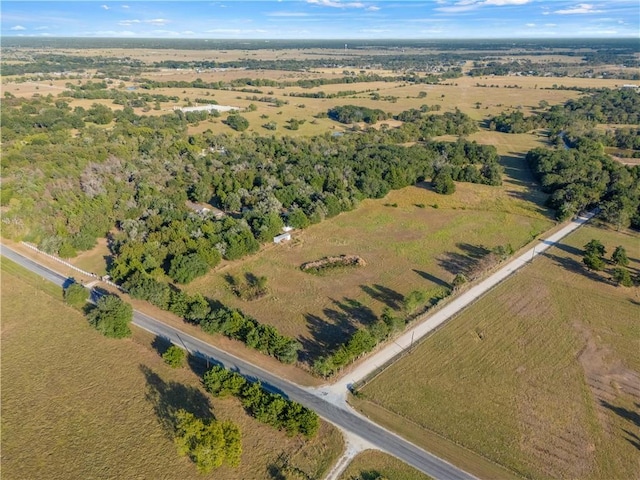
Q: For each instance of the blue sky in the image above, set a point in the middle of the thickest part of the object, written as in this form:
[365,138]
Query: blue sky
[341,19]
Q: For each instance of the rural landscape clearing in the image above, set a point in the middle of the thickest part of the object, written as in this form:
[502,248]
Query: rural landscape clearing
[403,244]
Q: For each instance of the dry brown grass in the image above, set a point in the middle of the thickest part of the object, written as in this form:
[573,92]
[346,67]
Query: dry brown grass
[94,260]
[541,375]
[371,464]
[78,405]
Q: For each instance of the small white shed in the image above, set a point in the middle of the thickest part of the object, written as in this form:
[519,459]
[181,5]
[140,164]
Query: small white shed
[285,237]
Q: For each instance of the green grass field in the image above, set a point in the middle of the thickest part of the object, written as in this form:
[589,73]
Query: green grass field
[406,248]
[541,375]
[78,405]
[372,464]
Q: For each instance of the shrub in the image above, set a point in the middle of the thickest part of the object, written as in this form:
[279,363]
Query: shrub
[174,356]
[111,317]
[76,295]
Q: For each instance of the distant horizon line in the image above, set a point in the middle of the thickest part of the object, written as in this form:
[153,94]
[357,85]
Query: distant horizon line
[51,37]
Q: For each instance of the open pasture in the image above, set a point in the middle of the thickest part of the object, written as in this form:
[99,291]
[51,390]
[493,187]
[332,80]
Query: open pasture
[407,247]
[541,375]
[78,405]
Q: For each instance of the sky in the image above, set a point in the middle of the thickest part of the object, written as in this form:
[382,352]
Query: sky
[323,19]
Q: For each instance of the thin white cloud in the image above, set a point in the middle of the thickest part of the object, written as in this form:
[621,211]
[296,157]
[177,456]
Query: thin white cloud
[106,7]
[157,21]
[125,6]
[550,24]
[372,8]
[336,4]
[530,25]
[18,28]
[468,5]
[579,9]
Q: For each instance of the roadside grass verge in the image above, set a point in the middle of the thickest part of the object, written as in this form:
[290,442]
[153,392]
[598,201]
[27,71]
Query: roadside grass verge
[99,408]
[540,375]
[374,464]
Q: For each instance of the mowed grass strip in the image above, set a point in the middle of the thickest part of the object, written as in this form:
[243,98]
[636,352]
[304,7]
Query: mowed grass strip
[372,464]
[78,405]
[541,375]
[405,248]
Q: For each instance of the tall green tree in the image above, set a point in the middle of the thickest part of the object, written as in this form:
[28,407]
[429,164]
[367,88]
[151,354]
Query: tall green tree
[111,317]
[208,443]
[619,256]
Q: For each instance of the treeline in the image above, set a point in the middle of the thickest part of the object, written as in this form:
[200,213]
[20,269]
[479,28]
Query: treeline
[213,317]
[266,407]
[620,106]
[119,96]
[585,177]
[302,83]
[50,63]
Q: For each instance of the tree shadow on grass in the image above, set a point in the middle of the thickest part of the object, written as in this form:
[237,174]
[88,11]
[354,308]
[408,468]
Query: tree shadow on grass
[355,310]
[630,415]
[432,278]
[370,475]
[325,335]
[568,248]
[633,439]
[338,325]
[465,261]
[389,297]
[160,344]
[169,397]
[573,266]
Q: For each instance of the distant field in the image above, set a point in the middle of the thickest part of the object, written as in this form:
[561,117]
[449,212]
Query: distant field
[78,405]
[542,375]
[372,464]
[406,248]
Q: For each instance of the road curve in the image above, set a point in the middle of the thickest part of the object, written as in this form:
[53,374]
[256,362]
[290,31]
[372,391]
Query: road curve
[340,416]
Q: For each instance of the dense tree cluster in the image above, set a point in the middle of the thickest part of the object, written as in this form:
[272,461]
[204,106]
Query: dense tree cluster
[355,114]
[139,174]
[585,177]
[269,408]
[577,118]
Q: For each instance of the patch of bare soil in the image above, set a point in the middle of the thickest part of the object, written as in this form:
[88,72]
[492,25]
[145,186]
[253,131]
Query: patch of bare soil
[608,379]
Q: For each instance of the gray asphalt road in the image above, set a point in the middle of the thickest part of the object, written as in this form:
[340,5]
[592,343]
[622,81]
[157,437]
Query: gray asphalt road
[341,417]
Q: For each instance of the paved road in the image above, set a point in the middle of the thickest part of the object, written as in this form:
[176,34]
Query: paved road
[339,415]
[404,342]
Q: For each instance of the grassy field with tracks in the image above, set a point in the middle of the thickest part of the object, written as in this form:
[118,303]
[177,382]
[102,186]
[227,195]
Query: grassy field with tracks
[541,375]
[78,405]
